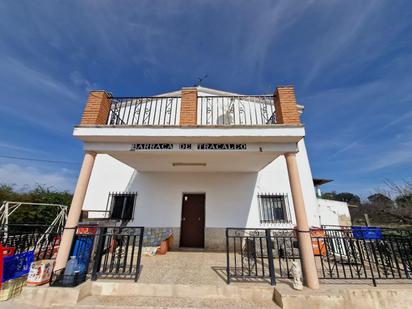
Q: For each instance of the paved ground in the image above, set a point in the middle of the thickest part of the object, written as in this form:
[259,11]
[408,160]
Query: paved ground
[188,267]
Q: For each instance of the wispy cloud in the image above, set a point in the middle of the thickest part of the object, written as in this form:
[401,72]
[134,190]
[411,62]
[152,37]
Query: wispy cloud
[40,80]
[376,132]
[28,176]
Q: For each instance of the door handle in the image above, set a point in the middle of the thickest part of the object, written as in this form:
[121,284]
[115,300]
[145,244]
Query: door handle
[183,219]
[198,219]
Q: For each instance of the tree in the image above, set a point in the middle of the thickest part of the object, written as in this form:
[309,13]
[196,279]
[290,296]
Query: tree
[35,214]
[347,197]
[404,201]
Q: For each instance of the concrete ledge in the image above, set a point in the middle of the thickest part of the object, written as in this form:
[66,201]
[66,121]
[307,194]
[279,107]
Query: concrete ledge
[344,297]
[46,296]
[114,288]
[329,296]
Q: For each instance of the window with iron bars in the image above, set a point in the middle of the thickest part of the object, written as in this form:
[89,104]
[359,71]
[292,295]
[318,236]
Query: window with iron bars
[274,208]
[121,205]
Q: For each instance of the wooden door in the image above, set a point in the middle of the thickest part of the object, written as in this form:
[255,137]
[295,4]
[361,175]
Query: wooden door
[192,227]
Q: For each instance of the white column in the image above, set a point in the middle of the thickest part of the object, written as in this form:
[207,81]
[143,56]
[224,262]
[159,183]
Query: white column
[75,210]
[310,275]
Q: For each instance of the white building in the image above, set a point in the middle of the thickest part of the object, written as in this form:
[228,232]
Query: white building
[196,161]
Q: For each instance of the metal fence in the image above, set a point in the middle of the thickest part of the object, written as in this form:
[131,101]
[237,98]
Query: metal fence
[144,111]
[109,251]
[235,110]
[341,253]
[118,252]
[260,254]
[32,237]
[372,254]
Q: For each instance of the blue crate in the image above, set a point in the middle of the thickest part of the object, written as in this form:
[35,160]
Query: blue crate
[82,251]
[16,266]
[366,232]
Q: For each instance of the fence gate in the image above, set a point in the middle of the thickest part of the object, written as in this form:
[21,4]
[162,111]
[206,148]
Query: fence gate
[118,252]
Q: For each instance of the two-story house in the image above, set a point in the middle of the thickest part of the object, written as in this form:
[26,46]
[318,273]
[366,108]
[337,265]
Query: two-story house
[193,162]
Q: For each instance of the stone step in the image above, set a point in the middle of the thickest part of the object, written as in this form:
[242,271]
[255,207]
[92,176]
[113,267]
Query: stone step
[150,302]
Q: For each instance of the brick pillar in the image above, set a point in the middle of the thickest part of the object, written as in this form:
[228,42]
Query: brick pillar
[188,108]
[285,106]
[97,108]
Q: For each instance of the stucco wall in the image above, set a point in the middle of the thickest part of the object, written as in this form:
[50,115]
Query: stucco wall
[231,198]
[333,212]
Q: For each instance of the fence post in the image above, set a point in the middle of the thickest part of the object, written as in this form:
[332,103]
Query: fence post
[97,256]
[227,257]
[139,254]
[270,257]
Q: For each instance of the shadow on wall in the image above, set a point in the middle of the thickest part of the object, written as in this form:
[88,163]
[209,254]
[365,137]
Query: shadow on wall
[229,197]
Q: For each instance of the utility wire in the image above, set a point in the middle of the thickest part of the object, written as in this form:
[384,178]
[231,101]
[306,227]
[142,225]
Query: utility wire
[38,160]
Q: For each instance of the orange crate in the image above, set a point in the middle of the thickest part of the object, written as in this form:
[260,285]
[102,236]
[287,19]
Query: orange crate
[318,244]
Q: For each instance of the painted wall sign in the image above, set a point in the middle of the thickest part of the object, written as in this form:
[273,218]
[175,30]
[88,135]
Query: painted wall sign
[221,146]
[137,147]
[151,147]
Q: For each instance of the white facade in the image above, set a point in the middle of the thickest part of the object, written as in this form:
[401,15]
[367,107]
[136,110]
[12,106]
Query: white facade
[231,197]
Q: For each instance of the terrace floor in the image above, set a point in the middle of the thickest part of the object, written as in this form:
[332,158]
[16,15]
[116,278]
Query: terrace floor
[188,267]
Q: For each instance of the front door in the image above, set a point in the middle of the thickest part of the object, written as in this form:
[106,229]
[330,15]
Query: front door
[192,227]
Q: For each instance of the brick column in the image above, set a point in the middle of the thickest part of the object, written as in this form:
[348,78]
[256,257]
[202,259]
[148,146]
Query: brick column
[286,108]
[97,108]
[75,210]
[310,275]
[188,107]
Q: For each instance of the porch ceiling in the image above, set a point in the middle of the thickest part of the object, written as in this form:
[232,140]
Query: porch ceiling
[196,162]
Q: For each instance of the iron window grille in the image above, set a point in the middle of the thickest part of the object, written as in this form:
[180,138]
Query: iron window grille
[121,205]
[274,208]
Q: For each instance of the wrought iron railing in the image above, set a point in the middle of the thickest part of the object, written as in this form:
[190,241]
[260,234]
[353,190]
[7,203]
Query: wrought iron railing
[31,237]
[211,110]
[163,111]
[363,253]
[118,252]
[235,110]
[348,253]
[260,254]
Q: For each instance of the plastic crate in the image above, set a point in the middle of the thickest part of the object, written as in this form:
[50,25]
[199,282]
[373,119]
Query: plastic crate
[366,232]
[12,288]
[59,279]
[17,265]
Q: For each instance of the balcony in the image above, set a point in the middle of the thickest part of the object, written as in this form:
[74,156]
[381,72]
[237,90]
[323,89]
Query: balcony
[211,111]
[193,116]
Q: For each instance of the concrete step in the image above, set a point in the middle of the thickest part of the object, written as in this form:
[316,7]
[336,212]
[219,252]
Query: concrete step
[234,291]
[150,302]
[118,294]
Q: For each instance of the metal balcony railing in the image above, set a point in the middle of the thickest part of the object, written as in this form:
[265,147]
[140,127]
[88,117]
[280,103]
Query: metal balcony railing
[211,110]
[235,110]
[164,111]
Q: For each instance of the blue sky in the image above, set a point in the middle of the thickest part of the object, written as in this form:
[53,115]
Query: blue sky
[350,62]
